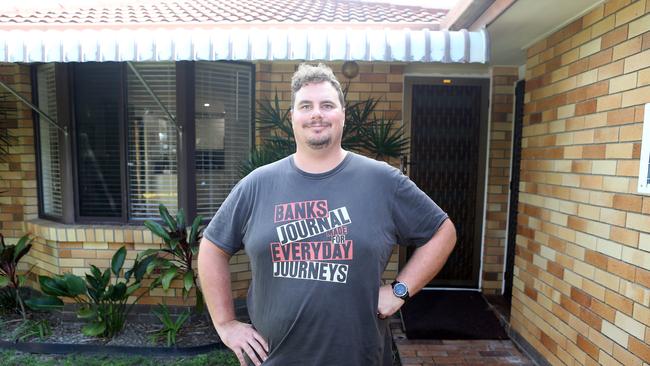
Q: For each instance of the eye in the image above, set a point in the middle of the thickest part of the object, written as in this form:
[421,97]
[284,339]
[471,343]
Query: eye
[328,106]
[305,107]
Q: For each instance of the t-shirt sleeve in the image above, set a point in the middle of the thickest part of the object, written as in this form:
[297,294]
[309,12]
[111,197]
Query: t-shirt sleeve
[416,217]
[228,226]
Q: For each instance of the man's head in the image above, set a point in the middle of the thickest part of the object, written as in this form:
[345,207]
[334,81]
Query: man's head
[317,108]
[309,74]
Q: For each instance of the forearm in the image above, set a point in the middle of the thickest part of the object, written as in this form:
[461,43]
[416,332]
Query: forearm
[429,259]
[214,274]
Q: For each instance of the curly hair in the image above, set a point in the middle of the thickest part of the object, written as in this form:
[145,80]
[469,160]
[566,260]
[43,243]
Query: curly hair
[314,74]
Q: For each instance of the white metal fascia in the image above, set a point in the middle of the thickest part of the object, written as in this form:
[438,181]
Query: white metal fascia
[254,43]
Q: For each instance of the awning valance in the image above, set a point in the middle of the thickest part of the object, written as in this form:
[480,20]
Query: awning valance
[184,43]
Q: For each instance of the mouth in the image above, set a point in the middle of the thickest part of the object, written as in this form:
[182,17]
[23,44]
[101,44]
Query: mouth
[317,125]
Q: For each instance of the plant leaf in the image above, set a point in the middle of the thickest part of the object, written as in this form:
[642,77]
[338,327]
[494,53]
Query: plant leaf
[194,230]
[158,230]
[147,253]
[21,280]
[119,292]
[52,286]
[168,277]
[118,260]
[44,303]
[140,268]
[180,219]
[4,281]
[131,289]
[86,313]
[94,329]
[74,285]
[188,280]
[167,218]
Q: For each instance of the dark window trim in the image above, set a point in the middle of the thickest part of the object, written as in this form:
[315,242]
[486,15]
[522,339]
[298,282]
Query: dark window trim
[186,170]
[185,164]
[37,140]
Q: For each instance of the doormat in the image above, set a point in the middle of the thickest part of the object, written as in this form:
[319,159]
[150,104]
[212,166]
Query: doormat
[450,315]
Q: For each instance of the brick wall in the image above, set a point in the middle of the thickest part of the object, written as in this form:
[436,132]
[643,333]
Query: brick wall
[496,219]
[582,281]
[18,171]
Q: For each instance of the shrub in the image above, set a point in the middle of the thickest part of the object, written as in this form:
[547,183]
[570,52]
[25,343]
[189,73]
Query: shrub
[104,302]
[10,280]
[180,248]
[170,327]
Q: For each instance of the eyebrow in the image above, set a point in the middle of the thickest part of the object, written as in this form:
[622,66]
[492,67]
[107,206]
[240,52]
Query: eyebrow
[307,101]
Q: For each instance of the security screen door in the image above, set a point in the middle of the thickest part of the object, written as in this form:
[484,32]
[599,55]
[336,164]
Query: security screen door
[447,161]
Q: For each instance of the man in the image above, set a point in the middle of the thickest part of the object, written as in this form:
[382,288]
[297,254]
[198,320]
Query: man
[319,227]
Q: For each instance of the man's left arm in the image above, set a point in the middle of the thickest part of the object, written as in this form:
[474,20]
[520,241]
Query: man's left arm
[424,264]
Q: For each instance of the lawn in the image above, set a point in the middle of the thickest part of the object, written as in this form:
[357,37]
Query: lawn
[215,358]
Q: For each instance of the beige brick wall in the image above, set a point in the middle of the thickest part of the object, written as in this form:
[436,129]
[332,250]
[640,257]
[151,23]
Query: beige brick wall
[496,218]
[18,172]
[582,281]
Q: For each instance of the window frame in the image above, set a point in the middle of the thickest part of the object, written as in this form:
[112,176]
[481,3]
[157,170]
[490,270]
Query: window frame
[643,186]
[185,113]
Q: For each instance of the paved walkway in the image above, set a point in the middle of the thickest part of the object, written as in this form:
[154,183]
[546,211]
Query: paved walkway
[436,352]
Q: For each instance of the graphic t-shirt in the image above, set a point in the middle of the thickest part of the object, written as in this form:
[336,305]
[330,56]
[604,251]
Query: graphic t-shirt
[318,245]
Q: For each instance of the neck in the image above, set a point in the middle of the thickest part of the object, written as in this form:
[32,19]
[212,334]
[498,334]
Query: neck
[318,161]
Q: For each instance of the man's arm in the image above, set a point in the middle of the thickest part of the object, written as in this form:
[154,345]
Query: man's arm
[423,265]
[214,274]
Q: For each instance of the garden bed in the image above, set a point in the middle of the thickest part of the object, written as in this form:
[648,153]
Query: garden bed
[195,337]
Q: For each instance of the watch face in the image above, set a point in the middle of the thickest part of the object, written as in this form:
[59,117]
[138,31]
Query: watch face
[400,289]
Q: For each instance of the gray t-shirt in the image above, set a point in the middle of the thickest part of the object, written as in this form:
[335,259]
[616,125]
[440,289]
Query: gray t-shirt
[318,245]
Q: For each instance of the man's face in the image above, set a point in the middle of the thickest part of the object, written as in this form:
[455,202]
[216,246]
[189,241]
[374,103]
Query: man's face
[317,116]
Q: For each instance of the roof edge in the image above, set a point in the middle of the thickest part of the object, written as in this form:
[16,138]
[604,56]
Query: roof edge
[224,25]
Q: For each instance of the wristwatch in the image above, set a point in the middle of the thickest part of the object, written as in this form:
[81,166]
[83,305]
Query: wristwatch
[400,289]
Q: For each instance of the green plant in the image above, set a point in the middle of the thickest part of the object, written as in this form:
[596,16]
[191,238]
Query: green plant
[10,280]
[175,259]
[383,139]
[29,329]
[103,300]
[363,132]
[170,327]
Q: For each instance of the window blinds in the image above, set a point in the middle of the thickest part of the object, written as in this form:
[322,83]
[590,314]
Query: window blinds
[97,105]
[50,152]
[223,113]
[152,140]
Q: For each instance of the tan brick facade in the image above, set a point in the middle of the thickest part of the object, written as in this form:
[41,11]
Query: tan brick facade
[59,248]
[581,289]
[18,172]
[500,151]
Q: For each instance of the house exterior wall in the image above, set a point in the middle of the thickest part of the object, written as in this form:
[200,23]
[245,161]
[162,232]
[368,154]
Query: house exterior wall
[582,271]
[18,171]
[499,160]
[60,248]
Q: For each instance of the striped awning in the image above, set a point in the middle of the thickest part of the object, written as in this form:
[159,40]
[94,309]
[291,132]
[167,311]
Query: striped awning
[246,43]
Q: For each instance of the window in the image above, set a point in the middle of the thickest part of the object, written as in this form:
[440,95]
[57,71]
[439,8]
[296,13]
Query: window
[644,165]
[49,137]
[223,131]
[152,141]
[126,136]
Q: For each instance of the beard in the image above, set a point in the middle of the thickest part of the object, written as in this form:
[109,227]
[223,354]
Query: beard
[321,141]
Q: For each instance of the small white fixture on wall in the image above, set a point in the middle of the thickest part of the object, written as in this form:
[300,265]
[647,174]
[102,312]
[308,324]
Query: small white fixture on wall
[644,164]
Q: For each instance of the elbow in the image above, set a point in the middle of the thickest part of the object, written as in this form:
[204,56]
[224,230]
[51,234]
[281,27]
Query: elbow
[451,232]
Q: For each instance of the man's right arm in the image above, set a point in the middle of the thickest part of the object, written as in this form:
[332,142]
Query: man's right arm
[214,275]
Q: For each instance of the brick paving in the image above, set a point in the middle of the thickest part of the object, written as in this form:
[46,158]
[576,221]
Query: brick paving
[455,352]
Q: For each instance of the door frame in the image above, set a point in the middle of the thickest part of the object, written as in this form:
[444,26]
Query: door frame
[481,196]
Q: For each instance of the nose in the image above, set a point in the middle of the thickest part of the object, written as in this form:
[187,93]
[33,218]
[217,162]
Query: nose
[316,113]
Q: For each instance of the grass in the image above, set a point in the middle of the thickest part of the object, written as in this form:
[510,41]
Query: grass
[215,358]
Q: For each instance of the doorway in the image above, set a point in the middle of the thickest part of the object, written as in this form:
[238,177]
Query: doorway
[448,129]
